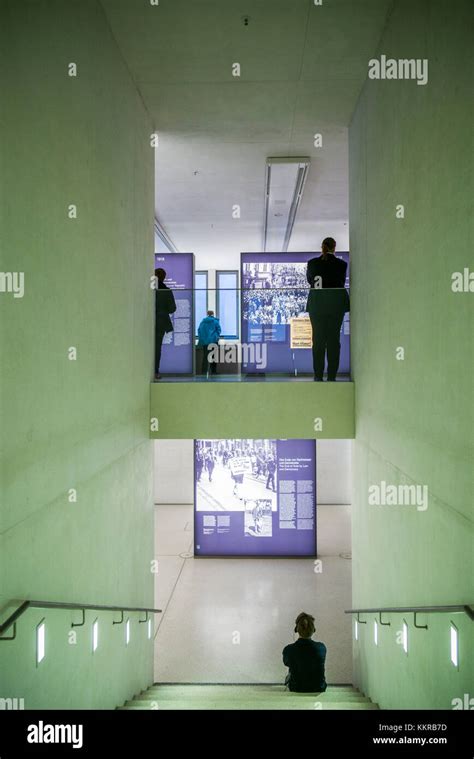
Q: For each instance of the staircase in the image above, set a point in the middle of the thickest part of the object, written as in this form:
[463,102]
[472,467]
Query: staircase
[177,696]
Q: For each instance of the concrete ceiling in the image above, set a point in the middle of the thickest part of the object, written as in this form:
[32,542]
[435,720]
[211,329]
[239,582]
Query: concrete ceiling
[302,69]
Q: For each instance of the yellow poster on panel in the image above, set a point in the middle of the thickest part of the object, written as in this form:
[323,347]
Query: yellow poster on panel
[301,335]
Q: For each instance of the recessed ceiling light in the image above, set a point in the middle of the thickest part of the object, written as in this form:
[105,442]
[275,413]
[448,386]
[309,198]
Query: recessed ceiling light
[285,179]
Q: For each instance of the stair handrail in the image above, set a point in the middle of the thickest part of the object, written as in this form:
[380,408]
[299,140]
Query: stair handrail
[24,605]
[454,608]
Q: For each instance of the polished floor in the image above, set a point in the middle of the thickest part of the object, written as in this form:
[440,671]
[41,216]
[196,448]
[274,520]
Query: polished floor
[227,620]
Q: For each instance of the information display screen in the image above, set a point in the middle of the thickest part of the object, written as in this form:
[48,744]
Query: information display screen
[255,497]
[273,303]
[177,355]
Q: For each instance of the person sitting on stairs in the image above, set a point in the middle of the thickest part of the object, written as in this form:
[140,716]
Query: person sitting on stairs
[305,659]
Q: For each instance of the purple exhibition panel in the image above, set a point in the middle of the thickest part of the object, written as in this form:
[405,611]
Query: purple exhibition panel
[255,497]
[177,355]
[273,303]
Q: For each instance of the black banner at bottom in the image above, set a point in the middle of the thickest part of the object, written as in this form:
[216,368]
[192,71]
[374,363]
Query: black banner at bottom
[102,733]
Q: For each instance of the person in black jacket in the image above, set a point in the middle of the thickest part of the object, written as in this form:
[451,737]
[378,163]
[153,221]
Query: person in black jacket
[164,306]
[305,659]
[327,303]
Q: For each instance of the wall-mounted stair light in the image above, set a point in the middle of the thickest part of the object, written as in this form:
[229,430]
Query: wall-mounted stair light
[40,641]
[454,645]
[405,636]
[95,635]
[149,629]
[356,630]
[376,633]
[127,632]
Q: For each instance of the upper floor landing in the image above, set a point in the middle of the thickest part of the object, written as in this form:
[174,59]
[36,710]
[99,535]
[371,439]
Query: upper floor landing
[297,408]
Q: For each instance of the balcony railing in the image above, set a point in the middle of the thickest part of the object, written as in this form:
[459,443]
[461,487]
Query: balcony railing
[252,333]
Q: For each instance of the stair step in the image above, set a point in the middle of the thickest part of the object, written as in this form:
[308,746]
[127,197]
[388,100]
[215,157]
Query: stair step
[225,689]
[259,704]
[270,697]
[251,686]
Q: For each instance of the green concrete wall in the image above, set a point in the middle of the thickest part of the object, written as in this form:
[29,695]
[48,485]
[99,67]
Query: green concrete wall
[75,424]
[411,144]
[319,410]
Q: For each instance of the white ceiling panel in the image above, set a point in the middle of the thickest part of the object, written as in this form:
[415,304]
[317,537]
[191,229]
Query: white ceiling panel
[302,69]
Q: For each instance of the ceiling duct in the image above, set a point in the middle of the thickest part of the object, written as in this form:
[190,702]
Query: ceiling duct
[284,184]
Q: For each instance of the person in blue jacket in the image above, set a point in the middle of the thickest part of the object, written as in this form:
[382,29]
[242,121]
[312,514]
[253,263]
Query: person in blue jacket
[209,332]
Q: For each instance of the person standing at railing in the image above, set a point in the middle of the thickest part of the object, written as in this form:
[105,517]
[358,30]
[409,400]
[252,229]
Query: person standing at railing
[209,332]
[327,303]
[165,305]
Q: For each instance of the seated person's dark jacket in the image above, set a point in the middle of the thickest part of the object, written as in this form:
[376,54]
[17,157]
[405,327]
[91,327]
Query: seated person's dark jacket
[325,299]
[305,659]
[164,306]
